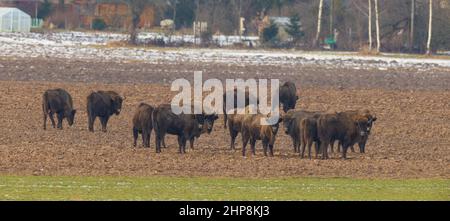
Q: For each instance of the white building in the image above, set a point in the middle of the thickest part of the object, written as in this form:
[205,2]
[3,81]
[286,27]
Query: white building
[14,20]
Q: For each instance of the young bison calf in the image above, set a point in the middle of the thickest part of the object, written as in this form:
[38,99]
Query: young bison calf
[252,130]
[142,123]
[59,102]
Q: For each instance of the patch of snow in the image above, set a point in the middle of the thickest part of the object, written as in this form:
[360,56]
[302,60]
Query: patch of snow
[79,45]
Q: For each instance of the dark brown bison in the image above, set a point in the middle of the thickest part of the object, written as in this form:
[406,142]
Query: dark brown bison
[185,126]
[363,140]
[235,125]
[288,96]
[234,94]
[252,130]
[103,104]
[291,123]
[343,127]
[142,124]
[59,102]
[308,128]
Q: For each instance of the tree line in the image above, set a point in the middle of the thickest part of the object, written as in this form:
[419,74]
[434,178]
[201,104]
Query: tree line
[419,26]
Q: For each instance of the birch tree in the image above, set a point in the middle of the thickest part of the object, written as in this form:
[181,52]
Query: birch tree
[319,23]
[430,27]
[377,24]
[411,29]
[370,25]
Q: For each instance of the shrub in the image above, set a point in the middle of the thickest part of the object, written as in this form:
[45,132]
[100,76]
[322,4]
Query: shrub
[270,33]
[98,24]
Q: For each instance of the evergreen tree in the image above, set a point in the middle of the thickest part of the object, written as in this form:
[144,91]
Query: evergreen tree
[294,29]
[45,9]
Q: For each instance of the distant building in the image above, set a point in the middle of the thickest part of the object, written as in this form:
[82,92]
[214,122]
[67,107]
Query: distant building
[81,13]
[14,20]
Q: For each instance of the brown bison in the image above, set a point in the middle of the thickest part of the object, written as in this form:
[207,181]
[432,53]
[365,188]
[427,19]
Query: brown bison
[103,104]
[343,127]
[363,140]
[252,130]
[235,124]
[59,102]
[234,94]
[288,96]
[308,128]
[142,124]
[185,126]
[291,122]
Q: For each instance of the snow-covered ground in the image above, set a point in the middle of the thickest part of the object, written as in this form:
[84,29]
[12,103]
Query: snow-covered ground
[79,45]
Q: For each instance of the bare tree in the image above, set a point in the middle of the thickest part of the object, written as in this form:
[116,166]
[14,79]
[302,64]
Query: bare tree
[430,27]
[370,25]
[377,24]
[136,7]
[319,23]
[411,30]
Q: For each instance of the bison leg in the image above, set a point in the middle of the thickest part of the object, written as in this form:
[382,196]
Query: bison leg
[344,151]
[145,138]
[149,134]
[158,139]
[191,143]
[317,148]
[60,117]
[233,135]
[135,136]
[324,148]
[52,119]
[182,144]
[295,143]
[164,143]
[271,149]
[245,140]
[253,145]
[91,120]
[265,146]
[310,142]
[104,122]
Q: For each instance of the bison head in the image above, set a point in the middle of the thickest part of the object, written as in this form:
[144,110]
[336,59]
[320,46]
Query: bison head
[207,122]
[117,104]
[70,115]
[363,126]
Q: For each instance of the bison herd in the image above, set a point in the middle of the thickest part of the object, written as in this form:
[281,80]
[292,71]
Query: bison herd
[306,128]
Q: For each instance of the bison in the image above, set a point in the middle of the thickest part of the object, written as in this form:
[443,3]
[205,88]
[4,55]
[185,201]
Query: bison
[235,124]
[142,123]
[288,96]
[308,128]
[234,94]
[363,140]
[252,130]
[343,127]
[103,104]
[59,102]
[185,126]
[291,122]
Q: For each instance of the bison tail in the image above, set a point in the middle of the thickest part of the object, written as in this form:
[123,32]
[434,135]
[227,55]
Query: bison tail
[155,121]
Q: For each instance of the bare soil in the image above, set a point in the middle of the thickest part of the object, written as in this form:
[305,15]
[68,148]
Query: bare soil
[411,138]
